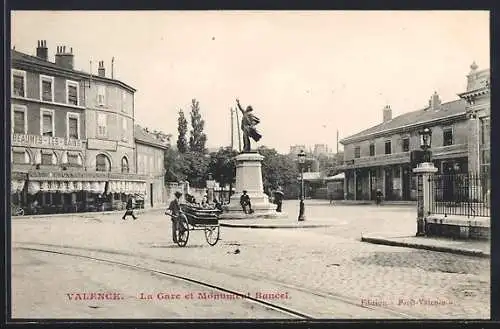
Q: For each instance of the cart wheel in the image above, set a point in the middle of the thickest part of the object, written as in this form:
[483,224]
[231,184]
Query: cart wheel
[182,231]
[212,235]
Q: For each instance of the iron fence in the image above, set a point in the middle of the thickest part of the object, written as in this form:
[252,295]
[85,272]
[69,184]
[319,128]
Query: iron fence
[460,194]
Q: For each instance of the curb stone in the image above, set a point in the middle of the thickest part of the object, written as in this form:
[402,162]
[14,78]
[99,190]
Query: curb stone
[466,252]
[272,226]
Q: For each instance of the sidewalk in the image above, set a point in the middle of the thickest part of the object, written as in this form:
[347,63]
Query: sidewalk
[90,214]
[463,247]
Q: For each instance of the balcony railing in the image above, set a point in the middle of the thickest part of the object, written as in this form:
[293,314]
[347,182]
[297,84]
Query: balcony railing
[377,160]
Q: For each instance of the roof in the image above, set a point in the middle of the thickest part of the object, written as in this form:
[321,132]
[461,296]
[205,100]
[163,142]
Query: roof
[452,108]
[315,175]
[141,135]
[336,177]
[19,56]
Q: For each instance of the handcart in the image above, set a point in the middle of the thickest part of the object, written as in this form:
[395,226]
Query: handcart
[195,218]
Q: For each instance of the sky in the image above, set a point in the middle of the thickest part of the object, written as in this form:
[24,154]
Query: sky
[307,74]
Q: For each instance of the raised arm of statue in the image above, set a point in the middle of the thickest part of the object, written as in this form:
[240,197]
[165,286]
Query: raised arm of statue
[239,105]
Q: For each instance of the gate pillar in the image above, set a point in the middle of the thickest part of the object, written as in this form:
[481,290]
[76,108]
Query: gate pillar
[425,197]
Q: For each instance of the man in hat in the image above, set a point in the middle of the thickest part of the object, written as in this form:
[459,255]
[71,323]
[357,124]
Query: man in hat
[278,199]
[129,209]
[175,209]
[248,123]
[245,202]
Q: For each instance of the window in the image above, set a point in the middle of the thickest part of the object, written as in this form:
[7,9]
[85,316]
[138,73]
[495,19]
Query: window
[372,150]
[73,125]
[48,159]
[357,152]
[101,95]
[19,120]
[46,88]
[102,163]
[124,101]
[47,123]
[406,144]
[102,124]
[72,91]
[388,147]
[447,136]
[125,168]
[124,129]
[485,130]
[20,157]
[18,83]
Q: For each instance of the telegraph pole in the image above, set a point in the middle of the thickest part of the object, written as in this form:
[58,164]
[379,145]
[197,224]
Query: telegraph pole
[239,133]
[232,129]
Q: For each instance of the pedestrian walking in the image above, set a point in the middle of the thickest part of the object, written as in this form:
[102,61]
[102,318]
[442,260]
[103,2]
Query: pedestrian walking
[278,199]
[175,210]
[129,209]
[245,202]
[378,197]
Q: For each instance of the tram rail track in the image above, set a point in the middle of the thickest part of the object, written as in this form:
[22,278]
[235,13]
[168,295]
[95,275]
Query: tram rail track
[354,304]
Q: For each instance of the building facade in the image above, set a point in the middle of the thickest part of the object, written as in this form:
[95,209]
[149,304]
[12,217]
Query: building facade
[379,157]
[150,157]
[63,158]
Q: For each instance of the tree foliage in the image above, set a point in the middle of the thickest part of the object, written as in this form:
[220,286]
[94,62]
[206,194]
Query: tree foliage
[222,165]
[277,170]
[182,128]
[198,138]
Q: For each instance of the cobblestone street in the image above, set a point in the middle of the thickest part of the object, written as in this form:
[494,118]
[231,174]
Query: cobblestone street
[332,260]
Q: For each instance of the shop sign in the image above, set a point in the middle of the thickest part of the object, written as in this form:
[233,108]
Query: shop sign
[46,142]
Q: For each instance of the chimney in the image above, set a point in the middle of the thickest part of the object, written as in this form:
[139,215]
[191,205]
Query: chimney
[42,51]
[101,71]
[434,102]
[387,113]
[63,58]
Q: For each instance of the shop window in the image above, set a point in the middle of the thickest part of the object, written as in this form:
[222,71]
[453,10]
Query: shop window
[102,163]
[49,159]
[20,157]
[447,136]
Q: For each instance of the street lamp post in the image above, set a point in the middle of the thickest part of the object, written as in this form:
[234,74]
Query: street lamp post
[425,144]
[301,161]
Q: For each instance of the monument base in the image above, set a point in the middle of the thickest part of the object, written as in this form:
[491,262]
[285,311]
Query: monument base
[249,178]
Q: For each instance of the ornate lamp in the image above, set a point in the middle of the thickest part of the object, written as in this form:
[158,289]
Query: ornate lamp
[425,143]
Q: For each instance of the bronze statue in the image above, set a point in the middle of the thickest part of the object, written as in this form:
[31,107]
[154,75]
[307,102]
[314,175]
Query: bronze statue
[248,123]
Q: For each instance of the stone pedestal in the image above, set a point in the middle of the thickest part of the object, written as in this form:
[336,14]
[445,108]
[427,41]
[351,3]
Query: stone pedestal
[249,178]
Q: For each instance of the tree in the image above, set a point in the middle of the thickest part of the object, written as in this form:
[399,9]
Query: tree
[278,170]
[175,167]
[198,138]
[182,128]
[222,165]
